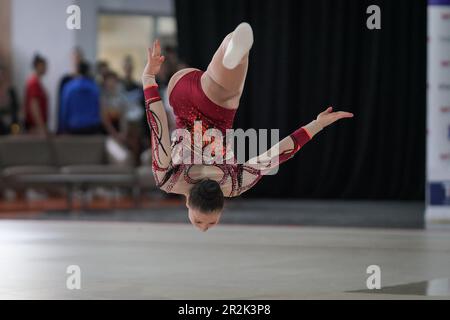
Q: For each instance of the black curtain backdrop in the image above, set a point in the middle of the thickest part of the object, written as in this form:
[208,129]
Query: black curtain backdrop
[311,54]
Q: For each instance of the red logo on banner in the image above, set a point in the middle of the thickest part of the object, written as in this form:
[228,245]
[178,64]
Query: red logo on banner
[445,63]
[445,16]
[445,156]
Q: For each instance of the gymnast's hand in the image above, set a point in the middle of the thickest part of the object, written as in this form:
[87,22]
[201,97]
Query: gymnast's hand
[328,117]
[154,62]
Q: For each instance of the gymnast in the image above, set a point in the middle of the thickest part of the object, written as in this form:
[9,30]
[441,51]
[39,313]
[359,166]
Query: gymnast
[211,98]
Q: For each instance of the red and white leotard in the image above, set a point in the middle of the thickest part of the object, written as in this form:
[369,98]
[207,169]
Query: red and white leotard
[190,104]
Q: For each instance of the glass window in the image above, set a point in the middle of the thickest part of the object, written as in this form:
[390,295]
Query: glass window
[121,35]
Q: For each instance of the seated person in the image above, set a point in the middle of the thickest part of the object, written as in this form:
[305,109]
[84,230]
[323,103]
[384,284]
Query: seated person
[114,106]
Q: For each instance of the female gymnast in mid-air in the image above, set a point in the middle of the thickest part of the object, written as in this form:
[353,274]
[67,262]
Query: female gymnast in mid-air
[212,97]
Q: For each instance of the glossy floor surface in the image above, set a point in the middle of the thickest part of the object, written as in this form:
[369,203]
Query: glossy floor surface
[137,260]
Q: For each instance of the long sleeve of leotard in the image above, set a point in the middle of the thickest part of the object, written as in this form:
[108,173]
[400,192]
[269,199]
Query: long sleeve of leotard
[160,135]
[264,164]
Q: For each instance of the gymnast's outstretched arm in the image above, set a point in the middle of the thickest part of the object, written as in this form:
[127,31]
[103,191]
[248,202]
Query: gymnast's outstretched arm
[265,163]
[156,115]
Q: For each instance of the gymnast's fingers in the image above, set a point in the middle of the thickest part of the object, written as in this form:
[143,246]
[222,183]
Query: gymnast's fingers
[341,115]
[154,50]
[328,110]
[149,53]
[157,48]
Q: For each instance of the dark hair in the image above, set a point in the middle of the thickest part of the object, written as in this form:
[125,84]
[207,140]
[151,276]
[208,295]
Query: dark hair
[206,196]
[83,68]
[128,58]
[101,64]
[110,75]
[37,59]
[78,51]
[170,49]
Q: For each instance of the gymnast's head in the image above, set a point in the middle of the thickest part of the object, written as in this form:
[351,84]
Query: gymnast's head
[205,204]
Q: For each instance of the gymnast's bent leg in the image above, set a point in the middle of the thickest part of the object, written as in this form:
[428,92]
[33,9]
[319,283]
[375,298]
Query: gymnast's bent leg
[224,79]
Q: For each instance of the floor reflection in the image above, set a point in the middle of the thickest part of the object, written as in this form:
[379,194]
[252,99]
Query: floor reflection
[435,287]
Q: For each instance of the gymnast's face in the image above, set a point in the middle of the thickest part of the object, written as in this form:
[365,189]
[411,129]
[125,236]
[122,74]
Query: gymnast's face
[203,221]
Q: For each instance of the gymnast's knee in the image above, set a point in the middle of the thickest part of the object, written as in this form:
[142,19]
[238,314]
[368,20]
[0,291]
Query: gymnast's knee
[233,102]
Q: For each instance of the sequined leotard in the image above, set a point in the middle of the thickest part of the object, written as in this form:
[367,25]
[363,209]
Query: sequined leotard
[190,104]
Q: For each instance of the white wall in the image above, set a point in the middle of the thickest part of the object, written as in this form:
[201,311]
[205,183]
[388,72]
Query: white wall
[40,26]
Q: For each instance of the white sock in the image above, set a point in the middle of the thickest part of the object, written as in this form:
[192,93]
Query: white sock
[239,45]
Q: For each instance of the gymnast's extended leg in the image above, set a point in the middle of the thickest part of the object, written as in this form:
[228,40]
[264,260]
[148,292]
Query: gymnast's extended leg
[224,79]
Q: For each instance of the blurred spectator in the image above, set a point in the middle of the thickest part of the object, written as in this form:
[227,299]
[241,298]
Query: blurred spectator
[76,59]
[101,70]
[171,65]
[113,108]
[8,106]
[128,82]
[136,120]
[80,108]
[36,101]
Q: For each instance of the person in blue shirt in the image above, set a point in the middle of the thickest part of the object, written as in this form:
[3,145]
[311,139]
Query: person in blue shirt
[80,107]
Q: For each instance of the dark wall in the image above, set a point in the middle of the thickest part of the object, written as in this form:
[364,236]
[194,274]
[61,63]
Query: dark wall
[311,54]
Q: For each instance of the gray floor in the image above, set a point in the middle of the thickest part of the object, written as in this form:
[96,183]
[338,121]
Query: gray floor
[379,214]
[133,260]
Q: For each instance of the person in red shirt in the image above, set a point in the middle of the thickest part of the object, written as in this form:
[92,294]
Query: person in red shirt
[36,101]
